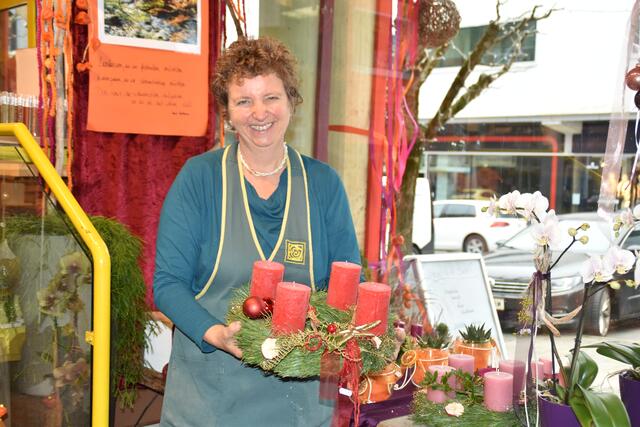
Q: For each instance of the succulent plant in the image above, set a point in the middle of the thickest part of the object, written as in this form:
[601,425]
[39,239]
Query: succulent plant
[476,334]
[438,338]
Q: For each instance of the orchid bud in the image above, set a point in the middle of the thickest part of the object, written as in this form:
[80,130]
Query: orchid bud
[584,239]
[584,226]
[572,232]
[614,285]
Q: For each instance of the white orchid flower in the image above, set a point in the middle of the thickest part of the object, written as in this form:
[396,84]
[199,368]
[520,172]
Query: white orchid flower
[626,217]
[508,203]
[547,232]
[636,211]
[621,260]
[533,204]
[596,269]
[493,208]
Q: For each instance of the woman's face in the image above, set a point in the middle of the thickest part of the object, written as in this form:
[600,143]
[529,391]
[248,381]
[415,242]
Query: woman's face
[259,110]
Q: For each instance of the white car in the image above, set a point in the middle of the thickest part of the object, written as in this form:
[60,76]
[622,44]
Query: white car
[460,225]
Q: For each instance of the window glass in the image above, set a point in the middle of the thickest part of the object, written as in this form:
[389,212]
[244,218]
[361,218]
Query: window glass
[460,210]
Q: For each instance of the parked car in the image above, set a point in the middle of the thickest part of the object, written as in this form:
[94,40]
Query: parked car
[460,225]
[475,194]
[511,266]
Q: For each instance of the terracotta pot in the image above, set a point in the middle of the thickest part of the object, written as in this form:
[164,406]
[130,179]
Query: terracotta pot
[420,359]
[556,414]
[630,395]
[480,351]
[379,386]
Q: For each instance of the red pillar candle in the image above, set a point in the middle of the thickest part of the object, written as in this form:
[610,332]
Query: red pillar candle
[265,277]
[290,307]
[343,285]
[373,304]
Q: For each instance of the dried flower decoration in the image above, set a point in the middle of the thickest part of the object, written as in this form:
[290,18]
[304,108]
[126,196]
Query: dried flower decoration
[82,18]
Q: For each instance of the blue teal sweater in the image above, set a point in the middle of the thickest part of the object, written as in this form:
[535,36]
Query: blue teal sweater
[189,231]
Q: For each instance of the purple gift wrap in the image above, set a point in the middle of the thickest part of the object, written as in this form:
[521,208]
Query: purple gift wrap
[630,395]
[398,405]
[556,414]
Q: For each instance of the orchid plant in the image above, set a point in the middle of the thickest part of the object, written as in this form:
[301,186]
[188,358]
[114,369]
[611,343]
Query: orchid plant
[598,273]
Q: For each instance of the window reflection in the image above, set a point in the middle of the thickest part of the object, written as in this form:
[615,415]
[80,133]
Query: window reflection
[13,36]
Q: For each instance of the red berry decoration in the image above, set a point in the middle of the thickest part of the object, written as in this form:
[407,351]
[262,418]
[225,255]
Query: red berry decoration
[268,305]
[253,307]
[332,328]
[632,79]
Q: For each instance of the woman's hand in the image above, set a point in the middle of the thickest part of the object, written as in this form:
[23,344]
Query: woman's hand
[223,337]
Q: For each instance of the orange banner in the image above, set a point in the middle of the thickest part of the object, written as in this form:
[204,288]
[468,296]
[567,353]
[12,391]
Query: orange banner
[148,76]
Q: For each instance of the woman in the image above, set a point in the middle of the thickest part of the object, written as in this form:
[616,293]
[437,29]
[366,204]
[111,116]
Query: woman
[255,199]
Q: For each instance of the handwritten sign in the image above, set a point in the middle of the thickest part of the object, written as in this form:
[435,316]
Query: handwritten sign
[148,91]
[456,291]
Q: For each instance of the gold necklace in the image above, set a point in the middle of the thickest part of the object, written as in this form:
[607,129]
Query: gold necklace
[254,172]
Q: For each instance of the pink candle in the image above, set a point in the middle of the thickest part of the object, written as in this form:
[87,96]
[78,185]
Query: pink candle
[464,362]
[515,368]
[265,277]
[537,370]
[343,285]
[439,396]
[498,391]
[290,307]
[373,304]
[546,367]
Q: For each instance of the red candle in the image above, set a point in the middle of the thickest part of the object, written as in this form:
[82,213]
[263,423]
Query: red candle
[265,277]
[343,285]
[373,304]
[290,307]
[498,391]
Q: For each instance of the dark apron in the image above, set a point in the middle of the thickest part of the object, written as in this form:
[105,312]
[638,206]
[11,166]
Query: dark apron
[216,389]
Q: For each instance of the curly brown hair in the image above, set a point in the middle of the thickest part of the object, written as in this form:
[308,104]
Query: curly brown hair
[247,58]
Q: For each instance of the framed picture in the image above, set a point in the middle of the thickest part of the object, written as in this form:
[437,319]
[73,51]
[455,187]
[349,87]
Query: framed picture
[17,32]
[456,291]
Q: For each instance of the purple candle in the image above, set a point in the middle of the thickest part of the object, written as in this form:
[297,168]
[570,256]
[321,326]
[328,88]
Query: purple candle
[515,368]
[498,391]
[439,396]
[464,362]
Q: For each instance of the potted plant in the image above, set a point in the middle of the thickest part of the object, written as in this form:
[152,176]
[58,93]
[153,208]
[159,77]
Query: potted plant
[421,352]
[574,402]
[629,378]
[477,342]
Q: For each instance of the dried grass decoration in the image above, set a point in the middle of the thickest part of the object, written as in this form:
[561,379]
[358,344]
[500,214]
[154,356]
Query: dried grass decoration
[438,22]
[298,355]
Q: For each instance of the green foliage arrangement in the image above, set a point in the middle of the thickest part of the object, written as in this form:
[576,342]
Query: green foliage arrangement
[298,355]
[129,313]
[625,353]
[476,334]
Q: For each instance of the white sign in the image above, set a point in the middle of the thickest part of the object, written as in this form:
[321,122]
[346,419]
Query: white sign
[456,292]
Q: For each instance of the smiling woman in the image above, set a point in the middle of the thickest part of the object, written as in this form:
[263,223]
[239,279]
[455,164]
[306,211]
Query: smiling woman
[255,199]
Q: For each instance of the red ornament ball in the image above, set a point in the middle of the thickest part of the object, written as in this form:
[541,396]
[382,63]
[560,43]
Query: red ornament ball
[268,305]
[632,79]
[332,328]
[253,307]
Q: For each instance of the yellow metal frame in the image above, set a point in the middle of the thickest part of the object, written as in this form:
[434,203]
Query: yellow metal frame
[31,17]
[100,336]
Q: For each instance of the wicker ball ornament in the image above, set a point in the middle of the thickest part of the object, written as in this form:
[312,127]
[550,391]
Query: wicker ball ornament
[438,22]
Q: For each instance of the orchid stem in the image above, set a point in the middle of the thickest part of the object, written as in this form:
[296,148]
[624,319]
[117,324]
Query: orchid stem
[576,346]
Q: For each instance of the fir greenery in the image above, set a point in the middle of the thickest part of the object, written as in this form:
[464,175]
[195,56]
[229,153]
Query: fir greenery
[294,359]
[129,313]
[432,414]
